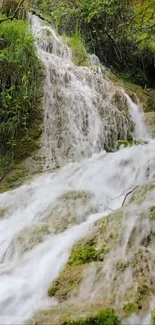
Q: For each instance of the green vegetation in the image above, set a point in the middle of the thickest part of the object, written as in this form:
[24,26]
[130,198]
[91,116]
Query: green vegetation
[21,77]
[153,317]
[68,283]
[86,253]
[129,308]
[121,33]
[76,195]
[70,278]
[80,55]
[103,317]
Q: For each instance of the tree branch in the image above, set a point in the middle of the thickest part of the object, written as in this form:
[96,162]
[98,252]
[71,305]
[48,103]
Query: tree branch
[14,14]
[129,194]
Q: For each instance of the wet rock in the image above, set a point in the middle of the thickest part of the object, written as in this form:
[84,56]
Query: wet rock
[150,122]
[115,263]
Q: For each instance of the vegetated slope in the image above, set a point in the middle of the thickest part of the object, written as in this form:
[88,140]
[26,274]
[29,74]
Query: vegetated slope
[21,77]
[121,33]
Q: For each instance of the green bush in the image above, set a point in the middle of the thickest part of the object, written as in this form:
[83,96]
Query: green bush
[120,33]
[20,78]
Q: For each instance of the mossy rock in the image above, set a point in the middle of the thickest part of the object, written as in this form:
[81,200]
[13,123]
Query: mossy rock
[87,251]
[153,317]
[13,179]
[140,193]
[76,195]
[106,317]
[111,256]
[133,90]
[124,143]
[67,283]
[129,308]
[77,315]
[150,122]
[120,100]
[30,237]
[151,101]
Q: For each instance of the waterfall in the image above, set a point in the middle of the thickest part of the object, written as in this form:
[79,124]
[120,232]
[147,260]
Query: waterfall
[84,112]
[137,116]
[81,117]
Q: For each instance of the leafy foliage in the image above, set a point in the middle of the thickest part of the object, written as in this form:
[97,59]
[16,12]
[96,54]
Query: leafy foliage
[121,33]
[20,75]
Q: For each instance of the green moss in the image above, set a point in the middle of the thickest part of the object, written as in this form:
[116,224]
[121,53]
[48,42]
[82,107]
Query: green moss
[29,237]
[129,308]
[76,195]
[12,179]
[140,194]
[153,317]
[103,317]
[150,122]
[80,55]
[121,266]
[152,213]
[87,251]
[78,315]
[124,143]
[67,283]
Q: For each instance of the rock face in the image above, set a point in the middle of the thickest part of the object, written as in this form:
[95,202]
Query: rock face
[112,267]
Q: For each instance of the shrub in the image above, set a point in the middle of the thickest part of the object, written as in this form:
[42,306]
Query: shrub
[20,79]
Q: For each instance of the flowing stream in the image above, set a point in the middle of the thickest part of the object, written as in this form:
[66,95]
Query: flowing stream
[74,138]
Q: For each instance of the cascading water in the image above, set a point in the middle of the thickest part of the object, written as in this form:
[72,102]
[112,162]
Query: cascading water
[80,116]
[83,111]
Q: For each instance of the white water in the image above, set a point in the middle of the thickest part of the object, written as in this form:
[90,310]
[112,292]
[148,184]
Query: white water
[25,275]
[137,116]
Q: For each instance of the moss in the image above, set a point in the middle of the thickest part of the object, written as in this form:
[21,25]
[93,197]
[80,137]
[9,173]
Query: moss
[29,237]
[67,283]
[142,288]
[13,179]
[121,266]
[76,195]
[152,213]
[79,314]
[153,317]
[140,194]
[86,254]
[129,308]
[106,317]
[124,143]
[150,122]
[88,251]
